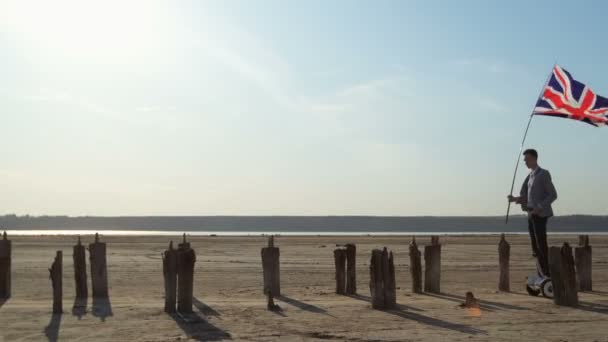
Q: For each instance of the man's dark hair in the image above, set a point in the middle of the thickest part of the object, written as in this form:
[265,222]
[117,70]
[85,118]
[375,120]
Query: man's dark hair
[531,152]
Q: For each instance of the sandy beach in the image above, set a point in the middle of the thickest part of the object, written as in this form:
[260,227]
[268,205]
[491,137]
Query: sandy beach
[229,303]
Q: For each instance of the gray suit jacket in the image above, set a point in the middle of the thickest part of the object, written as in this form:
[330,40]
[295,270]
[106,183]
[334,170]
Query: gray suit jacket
[543,193]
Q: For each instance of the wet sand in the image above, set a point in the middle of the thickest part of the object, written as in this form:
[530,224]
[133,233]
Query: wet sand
[229,303]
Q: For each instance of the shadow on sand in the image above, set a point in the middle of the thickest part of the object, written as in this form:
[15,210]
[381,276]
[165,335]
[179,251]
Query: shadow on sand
[302,305]
[593,307]
[51,331]
[2,301]
[102,308]
[463,328]
[79,308]
[368,299]
[198,329]
[204,308]
[484,304]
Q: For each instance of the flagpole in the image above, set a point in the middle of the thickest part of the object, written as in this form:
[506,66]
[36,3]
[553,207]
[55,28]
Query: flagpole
[523,141]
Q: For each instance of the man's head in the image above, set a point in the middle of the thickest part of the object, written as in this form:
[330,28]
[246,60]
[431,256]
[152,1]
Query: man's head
[531,158]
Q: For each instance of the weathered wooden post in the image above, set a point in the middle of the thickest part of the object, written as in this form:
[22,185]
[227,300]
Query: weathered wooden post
[561,266]
[99,268]
[415,267]
[5,267]
[432,266]
[376,284]
[382,279]
[351,269]
[170,276]
[56,275]
[185,276]
[80,270]
[504,252]
[583,263]
[340,262]
[390,287]
[270,265]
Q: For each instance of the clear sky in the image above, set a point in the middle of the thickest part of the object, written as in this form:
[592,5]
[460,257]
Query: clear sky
[291,107]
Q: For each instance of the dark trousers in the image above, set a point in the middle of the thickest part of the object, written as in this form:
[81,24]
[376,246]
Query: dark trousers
[537,227]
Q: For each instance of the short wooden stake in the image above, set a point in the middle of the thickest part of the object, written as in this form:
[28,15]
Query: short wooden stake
[5,267]
[99,269]
[351,269]
[382,279]
[340,263]
[432,266]
[271,268]
[185,276]
[170,277]
[561,266]
[504,252]
[56,275]
[80,270]
[583,262]
[415,267]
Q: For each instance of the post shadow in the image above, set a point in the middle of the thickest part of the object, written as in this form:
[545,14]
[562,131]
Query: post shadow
[484,304]
[593,307]
[303,306]
[51,331]
[2,301]
[463,328]
[198,329]
[204,308]
[368,299]
[79,308]
[102,308]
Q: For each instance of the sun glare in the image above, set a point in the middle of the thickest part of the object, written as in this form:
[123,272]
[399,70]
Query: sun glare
[85,29]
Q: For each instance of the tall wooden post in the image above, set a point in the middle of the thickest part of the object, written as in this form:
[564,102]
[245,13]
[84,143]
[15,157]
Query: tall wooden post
[99,268]
[504,252]
[432,266]
[415,267]
[170,277]
[340,262]
[185,276]
[583,261]
[376,280]
[56,275]
[5,267]
[271,268]
[382,279]
[561,266]
[80,270]
[351,269]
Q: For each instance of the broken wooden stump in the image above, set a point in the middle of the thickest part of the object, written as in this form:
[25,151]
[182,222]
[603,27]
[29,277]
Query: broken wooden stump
[583,262]
[561,266]
[504,252]
[271,268]
[415,267]
[5,267]
[99,268]
[382,279]
[80,270]
[432,266]
[170,277]
[470,301]
[351,269]
[340,262]
[56,275]
[185,276]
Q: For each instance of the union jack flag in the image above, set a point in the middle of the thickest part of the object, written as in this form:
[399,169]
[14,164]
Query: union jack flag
[566,97]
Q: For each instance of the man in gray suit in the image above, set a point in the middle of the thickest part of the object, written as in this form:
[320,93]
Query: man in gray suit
[536,195]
